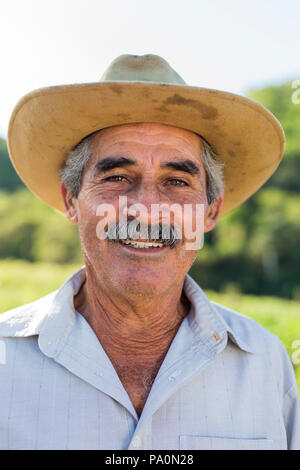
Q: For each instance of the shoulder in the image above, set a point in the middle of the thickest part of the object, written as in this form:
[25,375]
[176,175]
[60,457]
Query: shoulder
[250,330]
[20,354]
[267,347]
[245,332]
[26,319]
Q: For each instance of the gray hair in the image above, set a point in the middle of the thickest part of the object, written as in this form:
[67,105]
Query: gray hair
[79,156]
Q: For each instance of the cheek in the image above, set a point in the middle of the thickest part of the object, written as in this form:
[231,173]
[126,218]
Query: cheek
[91,205]
[95,214]
[87,232]
[87,221]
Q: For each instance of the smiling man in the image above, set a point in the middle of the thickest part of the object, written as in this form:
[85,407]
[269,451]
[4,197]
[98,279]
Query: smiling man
[136,309]
[130,353]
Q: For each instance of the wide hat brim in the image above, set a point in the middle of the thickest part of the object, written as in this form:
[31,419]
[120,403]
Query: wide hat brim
[47,123]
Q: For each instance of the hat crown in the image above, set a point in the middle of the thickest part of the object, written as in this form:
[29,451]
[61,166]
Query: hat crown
[144,68]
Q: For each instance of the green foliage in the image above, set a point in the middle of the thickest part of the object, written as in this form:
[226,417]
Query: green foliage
[278,100]
[256,247]
[9,180]
[22,282]
[32,231]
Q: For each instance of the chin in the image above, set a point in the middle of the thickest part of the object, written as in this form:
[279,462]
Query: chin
[142,283]
[142,289]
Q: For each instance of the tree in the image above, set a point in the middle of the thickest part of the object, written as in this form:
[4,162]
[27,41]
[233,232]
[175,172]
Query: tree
[9,180]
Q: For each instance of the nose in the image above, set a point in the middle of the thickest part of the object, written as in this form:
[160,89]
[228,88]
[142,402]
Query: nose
[143,202]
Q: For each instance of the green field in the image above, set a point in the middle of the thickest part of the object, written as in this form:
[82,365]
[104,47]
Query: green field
[22,282]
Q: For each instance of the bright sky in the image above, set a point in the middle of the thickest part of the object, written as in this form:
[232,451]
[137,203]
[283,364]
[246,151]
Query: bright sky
[230,45]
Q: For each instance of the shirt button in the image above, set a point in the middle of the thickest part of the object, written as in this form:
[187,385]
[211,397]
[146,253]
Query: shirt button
[174,376]
[216,336]
[136,442]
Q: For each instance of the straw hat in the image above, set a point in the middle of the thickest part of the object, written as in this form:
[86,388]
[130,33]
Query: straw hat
[48,122]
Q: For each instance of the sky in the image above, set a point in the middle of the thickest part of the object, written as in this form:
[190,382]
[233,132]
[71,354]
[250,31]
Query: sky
[232,45]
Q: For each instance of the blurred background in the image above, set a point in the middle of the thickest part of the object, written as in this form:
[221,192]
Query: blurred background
[251,261]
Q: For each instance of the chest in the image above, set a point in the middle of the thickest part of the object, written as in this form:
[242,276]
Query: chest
[137,381]
[57,407]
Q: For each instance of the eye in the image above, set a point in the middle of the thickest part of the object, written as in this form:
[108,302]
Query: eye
[116,178]
[177,182]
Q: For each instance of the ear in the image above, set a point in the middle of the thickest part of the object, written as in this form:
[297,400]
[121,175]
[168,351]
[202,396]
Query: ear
[212,214]
[69,203]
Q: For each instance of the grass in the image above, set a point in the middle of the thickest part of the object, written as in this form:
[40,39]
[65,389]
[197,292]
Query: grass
[22,282]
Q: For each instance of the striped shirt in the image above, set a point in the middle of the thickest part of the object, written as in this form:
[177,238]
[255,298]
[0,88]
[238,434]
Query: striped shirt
[225,383]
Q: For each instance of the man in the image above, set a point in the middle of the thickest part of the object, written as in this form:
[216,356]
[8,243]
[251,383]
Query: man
[130,353]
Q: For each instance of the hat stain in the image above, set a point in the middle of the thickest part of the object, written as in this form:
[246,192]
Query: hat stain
[116,88]
[123,116]
[208,112]
[162,108]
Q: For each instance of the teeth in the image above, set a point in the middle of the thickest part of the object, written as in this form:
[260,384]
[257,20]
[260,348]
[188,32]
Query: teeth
[142,244]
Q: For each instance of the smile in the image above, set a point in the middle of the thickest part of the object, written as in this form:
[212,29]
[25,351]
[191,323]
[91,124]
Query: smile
[139,244]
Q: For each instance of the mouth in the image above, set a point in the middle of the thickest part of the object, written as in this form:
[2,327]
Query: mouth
[142,244]
[145,247]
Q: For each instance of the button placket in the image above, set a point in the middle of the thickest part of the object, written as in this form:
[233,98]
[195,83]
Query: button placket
[136,442]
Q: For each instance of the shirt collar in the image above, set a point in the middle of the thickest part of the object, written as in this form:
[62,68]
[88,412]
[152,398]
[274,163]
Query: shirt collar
[213,322]
[53,317]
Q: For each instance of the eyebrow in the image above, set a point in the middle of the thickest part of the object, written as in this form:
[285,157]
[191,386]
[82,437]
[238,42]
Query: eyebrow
[183,165]
[109,163]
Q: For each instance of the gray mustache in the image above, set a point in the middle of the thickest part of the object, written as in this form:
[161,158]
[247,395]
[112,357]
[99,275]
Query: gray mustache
[166,234]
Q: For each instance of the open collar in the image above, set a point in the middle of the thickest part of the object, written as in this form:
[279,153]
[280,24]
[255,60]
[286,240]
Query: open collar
[212,322]
[64,335]
[53,317]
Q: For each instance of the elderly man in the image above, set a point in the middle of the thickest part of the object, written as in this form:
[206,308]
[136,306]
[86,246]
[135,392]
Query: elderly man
[130,353]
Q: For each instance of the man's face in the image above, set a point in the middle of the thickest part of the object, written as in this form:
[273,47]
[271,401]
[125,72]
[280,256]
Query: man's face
[149,164]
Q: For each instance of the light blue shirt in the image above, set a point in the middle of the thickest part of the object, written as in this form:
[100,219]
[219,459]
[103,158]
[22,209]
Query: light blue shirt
[225,383]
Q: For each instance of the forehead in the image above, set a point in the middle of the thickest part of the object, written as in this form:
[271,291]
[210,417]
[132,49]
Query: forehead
[147,135]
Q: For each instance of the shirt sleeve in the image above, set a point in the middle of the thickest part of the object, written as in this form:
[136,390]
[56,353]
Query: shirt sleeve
[291,413]
[290,399]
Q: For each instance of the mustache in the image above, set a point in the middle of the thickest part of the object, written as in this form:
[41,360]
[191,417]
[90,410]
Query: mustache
[166,234]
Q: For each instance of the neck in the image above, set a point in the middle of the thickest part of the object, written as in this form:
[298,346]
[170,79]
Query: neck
[131,324]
